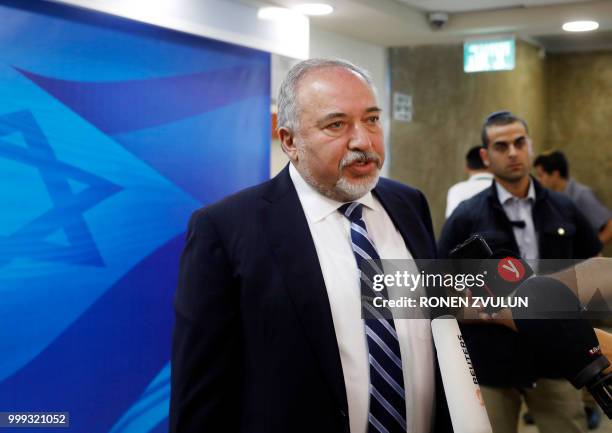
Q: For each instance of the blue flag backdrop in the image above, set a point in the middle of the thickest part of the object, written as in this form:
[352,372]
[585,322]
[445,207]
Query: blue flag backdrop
[111,134]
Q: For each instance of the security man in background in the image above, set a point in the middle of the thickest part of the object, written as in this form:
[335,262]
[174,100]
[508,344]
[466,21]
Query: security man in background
[517,214]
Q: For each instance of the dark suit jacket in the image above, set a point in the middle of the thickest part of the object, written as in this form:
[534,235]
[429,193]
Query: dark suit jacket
[254,344]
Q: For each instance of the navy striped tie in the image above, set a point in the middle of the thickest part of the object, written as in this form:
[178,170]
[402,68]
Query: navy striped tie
[387,396]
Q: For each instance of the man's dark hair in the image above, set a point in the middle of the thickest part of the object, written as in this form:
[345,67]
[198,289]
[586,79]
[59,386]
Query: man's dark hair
[473,160]
[552,161]
[499,118]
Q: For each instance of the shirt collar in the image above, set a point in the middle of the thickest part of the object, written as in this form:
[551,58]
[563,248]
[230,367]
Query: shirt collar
[505,196]
[316,205]
[481,176]
[569,186]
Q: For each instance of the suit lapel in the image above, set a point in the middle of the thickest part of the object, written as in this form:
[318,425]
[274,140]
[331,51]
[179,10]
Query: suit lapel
[294,250]
[408,221]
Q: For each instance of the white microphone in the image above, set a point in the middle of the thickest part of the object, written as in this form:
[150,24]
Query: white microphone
[465,403]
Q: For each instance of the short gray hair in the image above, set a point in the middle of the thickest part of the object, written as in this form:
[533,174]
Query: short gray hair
[287,96]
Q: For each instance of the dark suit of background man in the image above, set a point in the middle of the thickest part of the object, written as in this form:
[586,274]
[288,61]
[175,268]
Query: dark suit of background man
[516,213]
[269,336]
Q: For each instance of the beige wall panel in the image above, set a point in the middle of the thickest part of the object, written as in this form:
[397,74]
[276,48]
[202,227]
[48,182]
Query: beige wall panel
[579,89]
[448,109]
[580,116]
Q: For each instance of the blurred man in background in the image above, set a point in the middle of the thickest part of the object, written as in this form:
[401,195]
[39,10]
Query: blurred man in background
[552,170]
[517,214]
[479,179]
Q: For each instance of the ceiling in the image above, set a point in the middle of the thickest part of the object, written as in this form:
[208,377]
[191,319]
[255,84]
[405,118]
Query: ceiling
[454,6]
[404,22]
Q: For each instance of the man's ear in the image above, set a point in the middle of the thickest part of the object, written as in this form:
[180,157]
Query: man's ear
[484,155]
[530,147]
[288,143]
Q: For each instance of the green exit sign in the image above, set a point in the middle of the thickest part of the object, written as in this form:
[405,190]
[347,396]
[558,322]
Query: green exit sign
[481,55]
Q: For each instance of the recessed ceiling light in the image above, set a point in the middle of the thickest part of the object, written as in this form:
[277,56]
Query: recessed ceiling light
[275,13]
[314,9]
[580,26]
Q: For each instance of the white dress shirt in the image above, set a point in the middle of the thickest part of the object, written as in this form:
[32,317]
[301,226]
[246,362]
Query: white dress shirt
[520,209]
[331,234]
[467,189]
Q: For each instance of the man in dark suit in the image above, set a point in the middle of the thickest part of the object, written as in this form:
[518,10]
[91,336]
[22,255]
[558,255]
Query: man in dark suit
[269,336]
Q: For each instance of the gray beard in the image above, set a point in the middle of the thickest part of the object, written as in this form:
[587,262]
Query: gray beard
[348,191]
[343,190]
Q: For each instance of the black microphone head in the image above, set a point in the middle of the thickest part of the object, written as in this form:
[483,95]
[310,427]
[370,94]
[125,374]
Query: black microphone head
[548,298]
[562,341]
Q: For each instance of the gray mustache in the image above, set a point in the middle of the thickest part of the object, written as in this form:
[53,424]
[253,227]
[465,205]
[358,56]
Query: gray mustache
[356,156]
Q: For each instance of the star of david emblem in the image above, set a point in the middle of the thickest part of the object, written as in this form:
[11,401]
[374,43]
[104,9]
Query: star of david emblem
[66,213]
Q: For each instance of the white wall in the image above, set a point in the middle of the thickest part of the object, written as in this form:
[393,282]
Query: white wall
[224,20]
[371,57]
[324,43]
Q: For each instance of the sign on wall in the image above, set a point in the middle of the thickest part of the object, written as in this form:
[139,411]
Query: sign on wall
[496,54]
[402,107]
[111,134]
